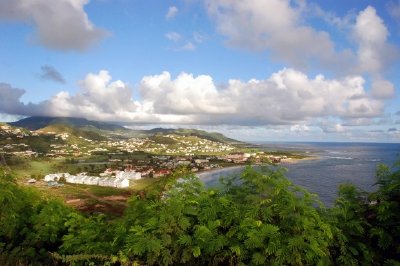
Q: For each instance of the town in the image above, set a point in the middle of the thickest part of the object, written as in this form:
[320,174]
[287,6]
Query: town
[120,162]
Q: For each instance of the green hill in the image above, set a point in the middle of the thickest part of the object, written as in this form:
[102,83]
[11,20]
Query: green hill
[213,136]
[75,133]
[83,126]
[38,122]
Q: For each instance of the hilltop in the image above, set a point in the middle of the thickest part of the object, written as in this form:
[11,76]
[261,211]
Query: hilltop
[38,122]
[72,131]
[82,127]
[213,136]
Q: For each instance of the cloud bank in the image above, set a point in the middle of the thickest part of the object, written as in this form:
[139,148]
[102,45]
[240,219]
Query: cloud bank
[60,25]
[287,97]
[280,27]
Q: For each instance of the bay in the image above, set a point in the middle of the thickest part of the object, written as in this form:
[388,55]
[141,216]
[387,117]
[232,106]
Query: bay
[335,164]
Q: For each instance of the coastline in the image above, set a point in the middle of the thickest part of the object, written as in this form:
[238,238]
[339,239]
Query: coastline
[205,173]
[297,160]
[217,170]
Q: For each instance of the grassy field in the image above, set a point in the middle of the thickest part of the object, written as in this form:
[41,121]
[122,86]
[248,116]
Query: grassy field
[142,184]
[93,199]
[34,168]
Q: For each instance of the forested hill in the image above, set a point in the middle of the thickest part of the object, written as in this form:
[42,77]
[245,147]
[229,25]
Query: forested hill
[40,122]
[213,136]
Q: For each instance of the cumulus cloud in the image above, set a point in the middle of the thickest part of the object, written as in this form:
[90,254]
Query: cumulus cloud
[278,26]
[382,89]
[10,102]
[59,25]
[52,74]
[98,98]
[371,35]
[171,13]
[287,97]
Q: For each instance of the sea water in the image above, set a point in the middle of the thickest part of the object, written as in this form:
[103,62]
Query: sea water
[335,164]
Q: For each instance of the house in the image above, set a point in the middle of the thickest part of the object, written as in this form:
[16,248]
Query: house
[55,177]
[121,183]
[161,172]
[201,161]
[128,175]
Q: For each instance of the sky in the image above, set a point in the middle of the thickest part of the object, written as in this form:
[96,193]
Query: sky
[256,70]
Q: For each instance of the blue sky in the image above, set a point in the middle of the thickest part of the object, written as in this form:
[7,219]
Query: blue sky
[252,69]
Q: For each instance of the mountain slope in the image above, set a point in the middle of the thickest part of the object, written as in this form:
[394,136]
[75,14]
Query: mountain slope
[73,131]
[110,130]
[38,122]
[213,136]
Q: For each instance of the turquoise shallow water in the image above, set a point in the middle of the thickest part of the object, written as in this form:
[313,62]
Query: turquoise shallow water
[337,163]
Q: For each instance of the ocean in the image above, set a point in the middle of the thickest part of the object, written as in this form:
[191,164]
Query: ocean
[336,163]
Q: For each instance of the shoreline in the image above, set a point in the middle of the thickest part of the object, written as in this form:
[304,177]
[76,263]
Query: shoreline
[216,170]
[296,160]
[283,162]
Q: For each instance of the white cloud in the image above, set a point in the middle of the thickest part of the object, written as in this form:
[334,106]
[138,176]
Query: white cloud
[60,25]
[299,128]
[382,89]
[98,98]
[180,44]
[9,118]
[171,13]
[287,97]
[371,35]
[188,46]
[173,36]
[278,26]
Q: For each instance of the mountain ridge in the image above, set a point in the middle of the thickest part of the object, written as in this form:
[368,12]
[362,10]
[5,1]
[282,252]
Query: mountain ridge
[38,122]
[108,128]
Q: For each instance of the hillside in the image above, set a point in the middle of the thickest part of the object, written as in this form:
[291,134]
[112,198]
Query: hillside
[213,136]
[95,129]
[38,122]
[73,131]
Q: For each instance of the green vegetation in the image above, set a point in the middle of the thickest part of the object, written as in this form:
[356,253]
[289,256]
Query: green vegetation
[259,219]
[75,133]
[38,122]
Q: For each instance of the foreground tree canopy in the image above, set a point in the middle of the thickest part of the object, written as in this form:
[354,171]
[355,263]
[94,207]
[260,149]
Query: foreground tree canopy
[260,218]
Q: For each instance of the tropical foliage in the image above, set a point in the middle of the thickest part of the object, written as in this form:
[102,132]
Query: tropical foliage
[260,218]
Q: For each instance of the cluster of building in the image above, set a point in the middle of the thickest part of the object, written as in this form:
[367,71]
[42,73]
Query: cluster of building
[180,145]
[18,149]
[8,130]
[122,179]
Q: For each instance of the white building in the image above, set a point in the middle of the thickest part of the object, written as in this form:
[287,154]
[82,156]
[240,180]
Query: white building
[120,182]
[132,175]
[55,177]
